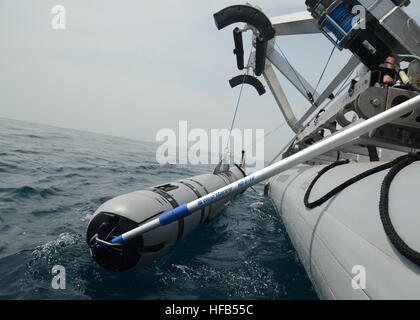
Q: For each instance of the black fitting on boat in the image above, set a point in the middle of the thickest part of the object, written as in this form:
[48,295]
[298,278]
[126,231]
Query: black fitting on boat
[253,81]
[255,18]
[260,55]
[310,97]
[239,48]
[246,14]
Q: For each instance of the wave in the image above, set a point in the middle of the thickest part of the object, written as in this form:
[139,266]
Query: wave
[33,136]
[28,273]
[28,191]
[147,167]
[51,248]
[243,253]
[24,151]
[5,166]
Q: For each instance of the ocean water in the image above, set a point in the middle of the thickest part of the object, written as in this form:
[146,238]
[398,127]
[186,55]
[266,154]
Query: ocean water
[53,179]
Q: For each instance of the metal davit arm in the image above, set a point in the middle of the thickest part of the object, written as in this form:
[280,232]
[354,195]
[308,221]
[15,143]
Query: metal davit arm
[295,23]
[280,97]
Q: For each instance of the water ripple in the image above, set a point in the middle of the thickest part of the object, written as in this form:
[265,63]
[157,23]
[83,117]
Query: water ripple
[51,182]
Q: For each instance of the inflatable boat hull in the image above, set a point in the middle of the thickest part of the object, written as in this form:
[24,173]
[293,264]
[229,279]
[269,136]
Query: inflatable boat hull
[342,243]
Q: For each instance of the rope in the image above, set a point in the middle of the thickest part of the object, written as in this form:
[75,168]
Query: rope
[390,231]
[237,105]
[344,83]
[325,68]
[294,71]
[344,18]
[236,110]
[396,166]
[344,185]
[266,135]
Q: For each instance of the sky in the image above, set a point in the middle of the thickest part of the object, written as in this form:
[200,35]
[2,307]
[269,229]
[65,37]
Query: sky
[131,68]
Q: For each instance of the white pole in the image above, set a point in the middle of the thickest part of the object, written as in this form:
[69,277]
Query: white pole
[321,147]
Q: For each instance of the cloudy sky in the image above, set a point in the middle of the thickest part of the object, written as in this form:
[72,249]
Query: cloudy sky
[132,67]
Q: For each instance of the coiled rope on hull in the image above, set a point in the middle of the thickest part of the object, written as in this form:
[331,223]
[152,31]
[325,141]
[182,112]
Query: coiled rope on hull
[396,166]
[390,231]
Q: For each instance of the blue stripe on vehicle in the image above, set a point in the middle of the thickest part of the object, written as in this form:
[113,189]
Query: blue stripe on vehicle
[174,215]
[118,239]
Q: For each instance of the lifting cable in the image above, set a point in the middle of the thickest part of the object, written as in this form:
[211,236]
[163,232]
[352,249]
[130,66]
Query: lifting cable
[238,103]
[344,84]
[325,68]
[308,93]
